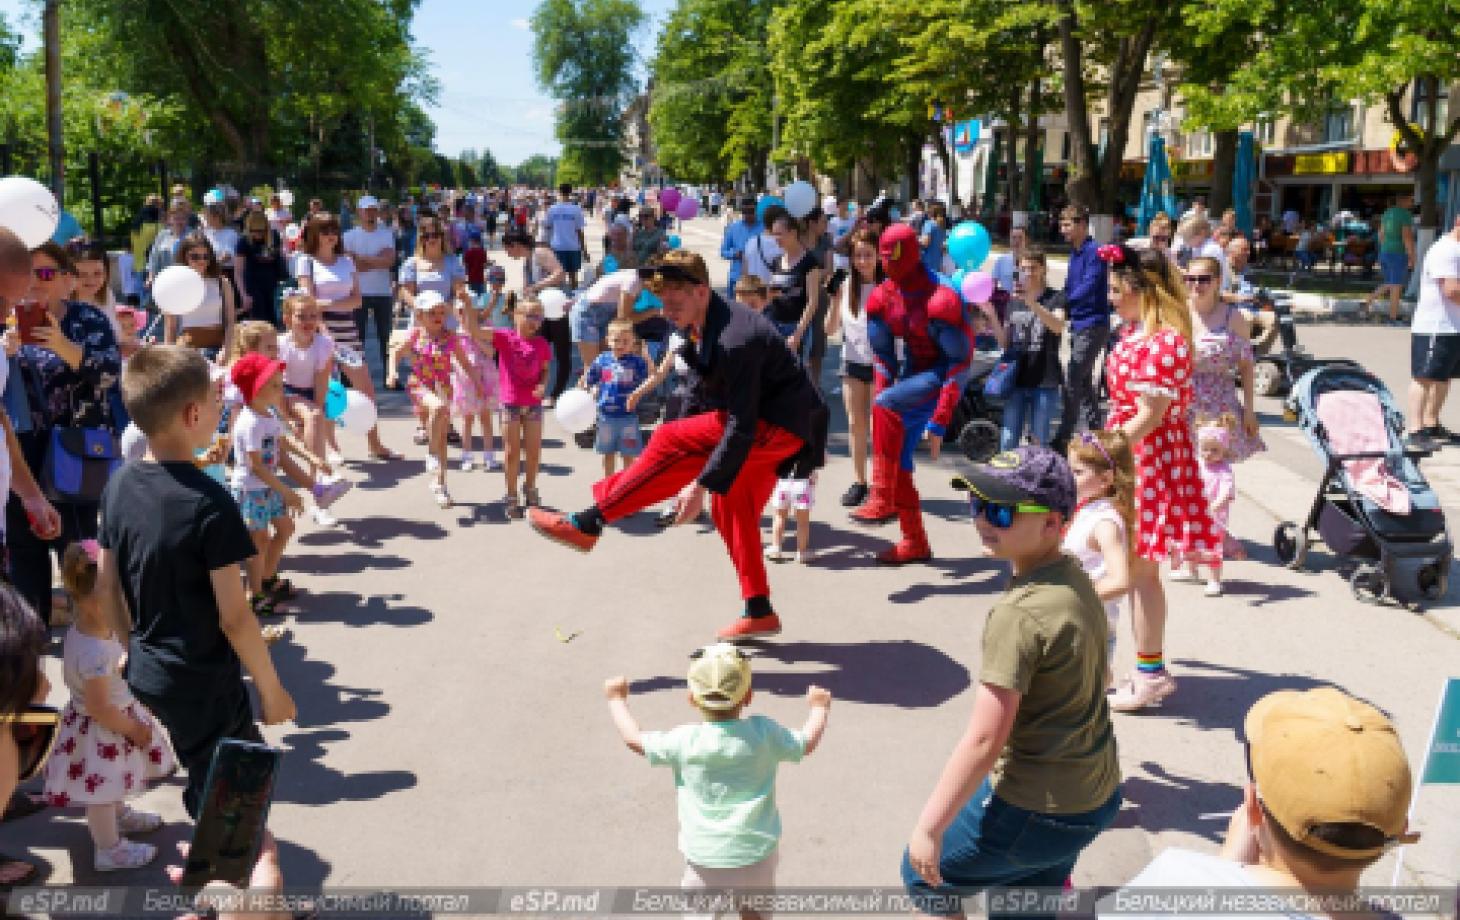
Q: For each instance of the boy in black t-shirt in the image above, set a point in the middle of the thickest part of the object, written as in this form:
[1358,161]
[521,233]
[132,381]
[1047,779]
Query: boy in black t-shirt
[171,542]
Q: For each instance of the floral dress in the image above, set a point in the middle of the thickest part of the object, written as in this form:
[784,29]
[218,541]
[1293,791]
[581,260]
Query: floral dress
[1219,353]
[91,764]
[1171,511]
[430,366]
[475,386]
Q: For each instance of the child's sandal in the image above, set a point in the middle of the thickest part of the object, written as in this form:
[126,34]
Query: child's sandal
[513,508]
[263,605]
[532,499]
[273,633]
[443,498]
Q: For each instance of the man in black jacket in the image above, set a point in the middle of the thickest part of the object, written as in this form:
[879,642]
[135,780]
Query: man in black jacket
[766,420]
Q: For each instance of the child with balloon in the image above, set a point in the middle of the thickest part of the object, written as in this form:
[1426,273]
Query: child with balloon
[309,362]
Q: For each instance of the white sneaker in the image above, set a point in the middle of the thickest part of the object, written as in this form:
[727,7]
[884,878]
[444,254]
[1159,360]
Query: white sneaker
[1183,574]
[776,554]
[806,556]
[1214,588]
[127,854]
[335,459]
[468,463]
[490,463]
[432,465]
[1139,691]
[323,518]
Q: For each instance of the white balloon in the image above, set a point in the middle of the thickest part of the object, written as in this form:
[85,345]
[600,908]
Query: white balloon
[286,198]
[800,198]
[178,290]
[134,443]
[359,414]
[554,303]
[576,411]
[28,209]
[291,232]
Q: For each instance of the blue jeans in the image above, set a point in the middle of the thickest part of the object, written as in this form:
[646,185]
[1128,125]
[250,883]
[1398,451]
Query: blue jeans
[1035,405]
[992,844]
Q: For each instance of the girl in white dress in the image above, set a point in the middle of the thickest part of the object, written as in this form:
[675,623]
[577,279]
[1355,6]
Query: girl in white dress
[1098,535]
[108,745]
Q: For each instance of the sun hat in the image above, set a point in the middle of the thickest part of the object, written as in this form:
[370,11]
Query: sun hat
[1026,474]
[719,677]
[252,371]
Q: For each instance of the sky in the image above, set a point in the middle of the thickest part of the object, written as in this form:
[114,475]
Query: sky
[481,52]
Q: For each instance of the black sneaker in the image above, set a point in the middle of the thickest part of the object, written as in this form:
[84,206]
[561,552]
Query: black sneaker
[1421,441]
[854,496]
[453,437]
[1441,435]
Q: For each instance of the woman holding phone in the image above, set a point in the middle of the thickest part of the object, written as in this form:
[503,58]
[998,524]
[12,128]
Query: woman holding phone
[69,365]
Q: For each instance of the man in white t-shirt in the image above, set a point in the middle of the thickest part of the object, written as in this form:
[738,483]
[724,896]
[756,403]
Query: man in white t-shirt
[838,226]
[1006,266]
[372,246]
[1434,342]
[1327,794]
[565,223]
[761,249]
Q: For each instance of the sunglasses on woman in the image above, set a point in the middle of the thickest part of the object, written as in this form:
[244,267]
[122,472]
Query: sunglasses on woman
[45,273]
[197,257]
[1198,280]
[431,236]
[998,514]
[34,731]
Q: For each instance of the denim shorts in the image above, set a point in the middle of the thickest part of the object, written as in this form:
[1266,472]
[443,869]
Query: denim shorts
[571,259]
[589,321]
[992,844]
[259,507]
[1395,266]
[522,413]
[619,436]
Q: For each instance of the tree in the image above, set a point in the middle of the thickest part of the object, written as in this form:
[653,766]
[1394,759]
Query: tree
[584,56]
[710,90]
[537,171]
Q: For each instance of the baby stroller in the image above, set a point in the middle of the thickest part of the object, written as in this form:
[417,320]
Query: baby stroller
[977,419]
[1373,507]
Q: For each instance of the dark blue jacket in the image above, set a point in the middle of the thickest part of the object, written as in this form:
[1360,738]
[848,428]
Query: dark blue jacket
[1086,297]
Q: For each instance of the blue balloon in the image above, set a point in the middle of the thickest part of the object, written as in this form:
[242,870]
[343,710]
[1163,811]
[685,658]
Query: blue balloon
[647,301]
[335,401]
[675,242]
[956,282]
[765,203]
[969,245]
[67,229]
[610,265]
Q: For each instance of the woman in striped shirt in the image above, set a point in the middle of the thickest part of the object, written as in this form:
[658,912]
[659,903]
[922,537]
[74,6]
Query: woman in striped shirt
[328,275]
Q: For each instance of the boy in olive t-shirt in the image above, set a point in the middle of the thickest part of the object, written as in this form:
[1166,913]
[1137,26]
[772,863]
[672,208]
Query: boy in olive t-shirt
[1035,777]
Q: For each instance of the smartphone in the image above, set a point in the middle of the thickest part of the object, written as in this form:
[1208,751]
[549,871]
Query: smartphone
[230,828]
[28,315]
[834,283]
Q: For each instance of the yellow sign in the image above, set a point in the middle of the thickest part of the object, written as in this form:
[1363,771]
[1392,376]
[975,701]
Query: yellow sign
[1321,164]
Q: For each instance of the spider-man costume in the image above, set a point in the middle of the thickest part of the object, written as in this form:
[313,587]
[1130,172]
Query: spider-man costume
[916,394]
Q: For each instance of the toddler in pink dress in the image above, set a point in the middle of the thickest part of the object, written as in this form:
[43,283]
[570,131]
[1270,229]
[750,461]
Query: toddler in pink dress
[1219,488]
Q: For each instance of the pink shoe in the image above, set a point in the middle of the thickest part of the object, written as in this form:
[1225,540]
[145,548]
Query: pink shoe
[1138,691]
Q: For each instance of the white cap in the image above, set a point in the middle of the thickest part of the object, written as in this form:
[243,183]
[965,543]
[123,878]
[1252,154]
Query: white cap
[366,201]
[426,300]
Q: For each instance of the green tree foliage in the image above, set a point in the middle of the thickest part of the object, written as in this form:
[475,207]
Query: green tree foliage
[537,171]
[584,55]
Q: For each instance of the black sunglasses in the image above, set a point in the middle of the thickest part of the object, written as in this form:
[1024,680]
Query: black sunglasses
[1198,279]
[34,731]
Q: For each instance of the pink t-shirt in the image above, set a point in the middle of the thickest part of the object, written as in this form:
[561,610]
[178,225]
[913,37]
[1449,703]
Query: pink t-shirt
[522,361]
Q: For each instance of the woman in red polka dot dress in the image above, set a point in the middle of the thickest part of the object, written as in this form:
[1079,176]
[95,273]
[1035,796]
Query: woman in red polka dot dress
[1149,377]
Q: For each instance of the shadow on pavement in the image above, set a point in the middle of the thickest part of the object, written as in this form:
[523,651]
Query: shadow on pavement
[377,475]
[1164,801]
[902,673]
[305,780]
[344,563]
[325,704]
[354,610]
[372,532]
[1216,697]
[1257,594]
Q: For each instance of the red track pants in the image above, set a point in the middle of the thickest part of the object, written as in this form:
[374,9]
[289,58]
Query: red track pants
[676,454]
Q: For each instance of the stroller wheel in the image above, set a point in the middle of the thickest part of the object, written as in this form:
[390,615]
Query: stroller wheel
[979,440]
[1267,379]
[1291,544]
[1368,583]
[1434,581]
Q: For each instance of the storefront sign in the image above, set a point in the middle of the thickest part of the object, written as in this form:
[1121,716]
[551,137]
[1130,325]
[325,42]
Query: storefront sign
[1191,169]
[1321,164]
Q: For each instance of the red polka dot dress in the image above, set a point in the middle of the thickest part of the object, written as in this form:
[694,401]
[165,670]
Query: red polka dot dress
[1171,511]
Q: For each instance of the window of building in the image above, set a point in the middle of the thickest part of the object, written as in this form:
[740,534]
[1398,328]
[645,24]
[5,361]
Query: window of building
[1338,124]
[1266,133]
[1419,108]
[1199,144]
[1065,147]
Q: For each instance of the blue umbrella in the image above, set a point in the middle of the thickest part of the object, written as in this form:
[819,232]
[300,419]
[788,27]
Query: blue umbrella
[67,229]
[1244,177]
[1156,194]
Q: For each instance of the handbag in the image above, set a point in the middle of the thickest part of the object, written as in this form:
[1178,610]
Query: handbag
[78,461]
[1001,380]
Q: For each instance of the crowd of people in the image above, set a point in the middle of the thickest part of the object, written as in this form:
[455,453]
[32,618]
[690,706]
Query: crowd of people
[1113,464]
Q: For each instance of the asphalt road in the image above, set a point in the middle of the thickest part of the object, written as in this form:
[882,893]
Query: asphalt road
[448,735]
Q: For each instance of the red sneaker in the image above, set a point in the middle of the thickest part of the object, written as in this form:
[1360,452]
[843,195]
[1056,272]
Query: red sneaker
[905,552]
[751,628]
[875,510]
[558,528]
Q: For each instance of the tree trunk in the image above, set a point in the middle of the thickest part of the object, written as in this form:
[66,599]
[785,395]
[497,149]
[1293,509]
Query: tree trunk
[55,142]
[912,161]
[1013,118]
[1125,82]
[1083,182]
[1033,163]
[945,155]
[1428,151]
[1224,165]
